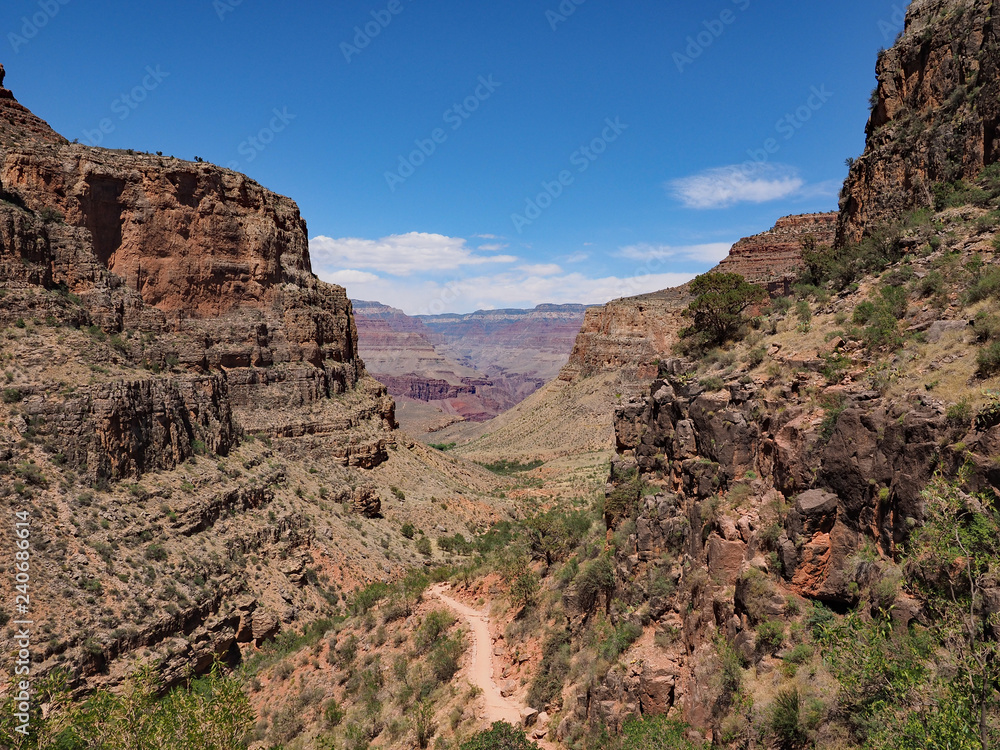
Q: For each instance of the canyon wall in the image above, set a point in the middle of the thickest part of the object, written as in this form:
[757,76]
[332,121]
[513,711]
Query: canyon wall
[193,269]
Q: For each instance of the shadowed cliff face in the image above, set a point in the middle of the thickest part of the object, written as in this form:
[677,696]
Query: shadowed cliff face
[937,114]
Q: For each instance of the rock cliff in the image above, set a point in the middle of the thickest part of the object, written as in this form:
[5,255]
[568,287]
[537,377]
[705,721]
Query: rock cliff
[935,115]
[185,414]
[774,258]
[189,267]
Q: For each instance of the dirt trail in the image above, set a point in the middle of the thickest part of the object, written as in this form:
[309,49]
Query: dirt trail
[480,674]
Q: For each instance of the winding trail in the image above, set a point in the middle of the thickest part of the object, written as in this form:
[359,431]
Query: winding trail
[480,671]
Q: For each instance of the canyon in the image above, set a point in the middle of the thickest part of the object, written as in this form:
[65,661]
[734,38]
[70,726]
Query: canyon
[789,540]
[444,369]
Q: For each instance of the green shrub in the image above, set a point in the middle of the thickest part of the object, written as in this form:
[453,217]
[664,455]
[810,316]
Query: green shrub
[988,360]
[960,414]
[547,686]
[506,468]
[156,552]
[712,384]
[595,578]
[444,657]
[785,718]
[721,299]
[770,637]
[864,312]
[800,654]
[424,546]
[987,286]
[434,626]
[803,312]
[657,733]
[12,396]
[501,736]
[619,640]
[408,530]
[443,447]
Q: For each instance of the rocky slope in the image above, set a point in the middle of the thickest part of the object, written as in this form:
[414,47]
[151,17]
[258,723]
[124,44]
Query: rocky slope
[935,116]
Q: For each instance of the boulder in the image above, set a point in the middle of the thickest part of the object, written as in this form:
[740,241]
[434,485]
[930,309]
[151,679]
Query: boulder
[366,502]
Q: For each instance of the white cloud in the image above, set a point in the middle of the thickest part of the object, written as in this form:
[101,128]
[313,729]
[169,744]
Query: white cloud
[577,257]
[399,255]
[710,253]
[541,269]
[727,186]
[349,276]
[496,246]
[486,236]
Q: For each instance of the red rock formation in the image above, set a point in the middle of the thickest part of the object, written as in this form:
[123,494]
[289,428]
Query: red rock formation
[630,334]
[210,267]
[775,256]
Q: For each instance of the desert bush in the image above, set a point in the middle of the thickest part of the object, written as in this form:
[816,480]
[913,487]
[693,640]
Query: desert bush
[988,360]
[770,637]
[987,286]
[501,736]
[785,718]
[547,686]
[595,578]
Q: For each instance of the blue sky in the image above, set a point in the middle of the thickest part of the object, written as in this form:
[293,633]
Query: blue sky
[451,155]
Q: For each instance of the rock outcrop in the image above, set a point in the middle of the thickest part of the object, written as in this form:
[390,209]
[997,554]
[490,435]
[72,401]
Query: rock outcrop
[935,116]
[191,268]
[774,258]
[630,335]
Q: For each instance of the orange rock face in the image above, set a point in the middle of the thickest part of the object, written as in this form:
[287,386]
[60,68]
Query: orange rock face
[776,255]
[630,334]
[210,269]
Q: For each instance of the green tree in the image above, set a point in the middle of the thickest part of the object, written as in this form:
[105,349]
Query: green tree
[501,736]
[720,301]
